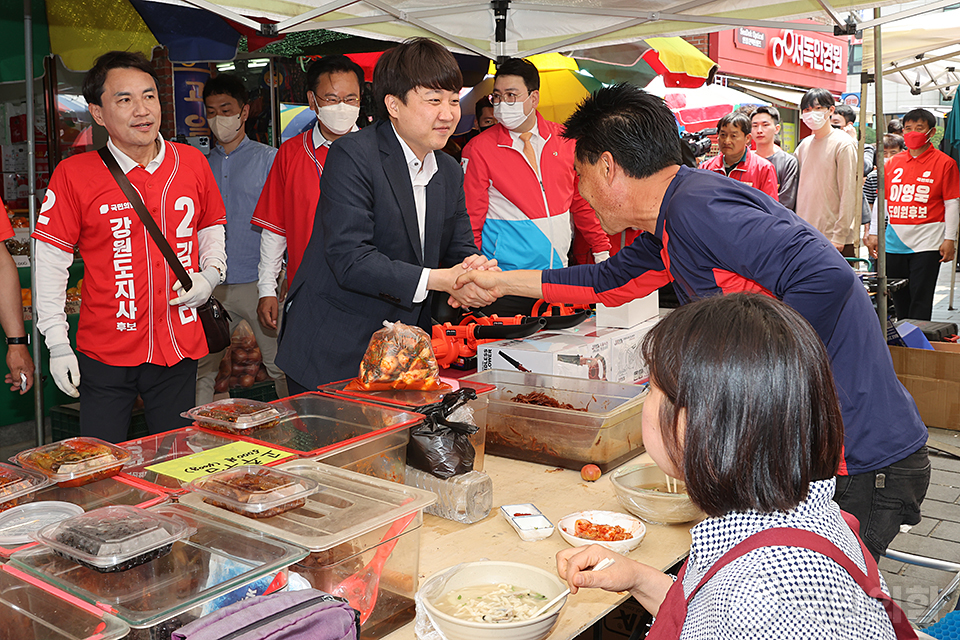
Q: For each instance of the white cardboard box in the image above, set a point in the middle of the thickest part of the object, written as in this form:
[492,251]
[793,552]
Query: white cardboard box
[581,352]
[630,314]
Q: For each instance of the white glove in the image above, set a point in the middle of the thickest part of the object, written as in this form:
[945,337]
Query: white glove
[600,256]
[203,284]
[65,369]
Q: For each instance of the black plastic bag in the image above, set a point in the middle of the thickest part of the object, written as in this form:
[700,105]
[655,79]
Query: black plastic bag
[440,446]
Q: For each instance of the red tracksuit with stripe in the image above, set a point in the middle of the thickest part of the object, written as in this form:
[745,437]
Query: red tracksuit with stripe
[717,236]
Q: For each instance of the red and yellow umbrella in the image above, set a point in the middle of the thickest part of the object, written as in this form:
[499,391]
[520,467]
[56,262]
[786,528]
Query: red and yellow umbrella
[678,62]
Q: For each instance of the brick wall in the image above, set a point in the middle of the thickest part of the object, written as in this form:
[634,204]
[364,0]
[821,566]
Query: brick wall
[700,42]
[164,69]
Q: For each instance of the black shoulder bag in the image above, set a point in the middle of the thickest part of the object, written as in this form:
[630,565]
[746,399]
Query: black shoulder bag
[213,317]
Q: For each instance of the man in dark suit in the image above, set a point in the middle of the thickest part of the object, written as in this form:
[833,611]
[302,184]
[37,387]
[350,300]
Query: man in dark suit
[391,225]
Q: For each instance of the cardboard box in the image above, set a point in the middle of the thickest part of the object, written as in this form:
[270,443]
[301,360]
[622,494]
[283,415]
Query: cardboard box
[630,314]
[933,379]
[585,351]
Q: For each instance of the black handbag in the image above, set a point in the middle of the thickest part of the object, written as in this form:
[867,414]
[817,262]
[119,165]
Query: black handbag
[213,317]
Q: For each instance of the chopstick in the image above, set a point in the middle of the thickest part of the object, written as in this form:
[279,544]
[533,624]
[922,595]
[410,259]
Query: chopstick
[600,566]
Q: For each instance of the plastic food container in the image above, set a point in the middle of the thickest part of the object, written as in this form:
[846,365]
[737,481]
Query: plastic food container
[607,434]
[75,461]
[642,490]
[215,566]
[236,415]
[529,523]
[254,491]
[18,486]
[410,400]
[359,436]
[162,447]
[33,610]
[113,538]
[349,521]
[17,525]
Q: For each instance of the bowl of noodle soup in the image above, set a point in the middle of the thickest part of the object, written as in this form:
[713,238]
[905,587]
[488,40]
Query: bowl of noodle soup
[492,600]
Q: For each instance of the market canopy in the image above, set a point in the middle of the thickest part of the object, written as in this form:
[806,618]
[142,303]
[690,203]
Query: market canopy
[507,28]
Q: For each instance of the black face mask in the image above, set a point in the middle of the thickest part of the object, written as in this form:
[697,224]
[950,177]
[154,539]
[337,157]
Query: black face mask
[486,127]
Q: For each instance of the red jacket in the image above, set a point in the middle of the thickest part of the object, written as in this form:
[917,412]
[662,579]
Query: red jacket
[753,170]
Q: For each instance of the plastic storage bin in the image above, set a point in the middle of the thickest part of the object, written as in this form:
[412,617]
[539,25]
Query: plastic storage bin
[236,415]
[607,434]
[344,524]
[19,486]
[254,491]
[359,436]
[75,461]
[33,610]
[216,566]
[410,400]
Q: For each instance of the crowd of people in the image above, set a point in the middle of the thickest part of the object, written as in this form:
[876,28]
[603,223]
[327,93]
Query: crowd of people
[375,223]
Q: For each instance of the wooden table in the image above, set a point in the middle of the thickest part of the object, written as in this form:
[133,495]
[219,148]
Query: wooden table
[556,493]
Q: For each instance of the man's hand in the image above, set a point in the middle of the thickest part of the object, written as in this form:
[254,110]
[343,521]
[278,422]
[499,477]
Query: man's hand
[948,250]
[870,242]
[65,369]
[19,361]
[469,296]
[479,262]
[839,247]
[267,310]
[203,284]
[484,280]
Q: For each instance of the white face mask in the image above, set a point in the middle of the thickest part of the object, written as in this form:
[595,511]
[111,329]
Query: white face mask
[510,115]
[814,119]
[338,118]
[226,128]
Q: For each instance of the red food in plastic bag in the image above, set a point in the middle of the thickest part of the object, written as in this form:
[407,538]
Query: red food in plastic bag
[399,357]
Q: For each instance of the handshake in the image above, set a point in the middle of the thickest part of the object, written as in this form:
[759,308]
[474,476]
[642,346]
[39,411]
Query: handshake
[471,283]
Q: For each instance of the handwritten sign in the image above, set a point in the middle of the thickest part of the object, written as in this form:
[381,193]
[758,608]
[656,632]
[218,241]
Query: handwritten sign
[228,456]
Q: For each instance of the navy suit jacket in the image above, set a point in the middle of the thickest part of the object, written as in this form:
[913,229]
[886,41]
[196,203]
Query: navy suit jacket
[364,260]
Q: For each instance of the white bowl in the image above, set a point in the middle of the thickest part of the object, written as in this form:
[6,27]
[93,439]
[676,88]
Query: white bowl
[494,572]
[637,530]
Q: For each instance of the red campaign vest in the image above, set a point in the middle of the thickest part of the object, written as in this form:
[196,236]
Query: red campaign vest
[673,611]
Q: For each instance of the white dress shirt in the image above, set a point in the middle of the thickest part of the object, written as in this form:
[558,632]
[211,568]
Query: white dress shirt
[420,175]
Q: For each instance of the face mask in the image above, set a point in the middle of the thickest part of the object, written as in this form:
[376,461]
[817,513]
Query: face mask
[510,115]
[916,139]
[226,128]
[338,118]
[814,119]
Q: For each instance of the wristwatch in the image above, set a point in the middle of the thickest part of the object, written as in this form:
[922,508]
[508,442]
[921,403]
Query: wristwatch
[18,340]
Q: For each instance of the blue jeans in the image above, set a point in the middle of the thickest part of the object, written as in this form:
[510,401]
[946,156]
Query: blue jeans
[882,500]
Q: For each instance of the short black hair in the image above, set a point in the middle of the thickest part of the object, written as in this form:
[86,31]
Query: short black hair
[520,67]
[893,141]
[750,414]
[737,119]
[635,127]
[335,63]
[482,103]
[817,98]
[93,81]
[226,84]
[895,126]
[770,110]
[920,115]
[417,62]
[847,112]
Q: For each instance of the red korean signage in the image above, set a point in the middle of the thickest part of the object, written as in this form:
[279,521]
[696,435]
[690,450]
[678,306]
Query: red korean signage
[788,56]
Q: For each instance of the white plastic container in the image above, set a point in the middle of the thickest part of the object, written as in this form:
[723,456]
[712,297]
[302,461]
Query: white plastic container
[529,523]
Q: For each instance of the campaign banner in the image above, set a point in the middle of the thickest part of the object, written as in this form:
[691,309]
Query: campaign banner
[191,115]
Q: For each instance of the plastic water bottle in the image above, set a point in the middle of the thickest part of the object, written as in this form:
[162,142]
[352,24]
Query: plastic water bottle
[466,498]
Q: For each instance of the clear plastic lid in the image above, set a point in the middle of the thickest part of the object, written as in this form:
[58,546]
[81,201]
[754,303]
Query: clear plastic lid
[406,398]
[113,538]
[17,525]
[254,489]
[74,460]
[16,484]
[236,415]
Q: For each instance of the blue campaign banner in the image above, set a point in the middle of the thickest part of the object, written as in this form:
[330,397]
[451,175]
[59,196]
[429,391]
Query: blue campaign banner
[191,116]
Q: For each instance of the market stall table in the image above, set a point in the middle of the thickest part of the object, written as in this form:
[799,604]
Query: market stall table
[556,492]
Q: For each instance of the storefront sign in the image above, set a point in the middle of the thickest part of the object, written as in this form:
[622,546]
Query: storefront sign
[851,99]
[804,50]
[747,37]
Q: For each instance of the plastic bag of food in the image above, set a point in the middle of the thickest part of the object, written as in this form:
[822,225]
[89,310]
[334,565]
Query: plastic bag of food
[398,357]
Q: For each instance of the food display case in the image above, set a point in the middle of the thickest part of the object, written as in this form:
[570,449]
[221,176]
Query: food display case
[33,610]
[409,400]
[215,566]
[602,427]
[355,526]
[359,436]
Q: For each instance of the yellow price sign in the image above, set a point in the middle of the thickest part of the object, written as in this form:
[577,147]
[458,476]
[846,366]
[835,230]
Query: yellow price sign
[210,461]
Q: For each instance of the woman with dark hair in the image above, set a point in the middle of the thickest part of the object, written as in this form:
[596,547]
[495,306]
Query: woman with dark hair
[743,408]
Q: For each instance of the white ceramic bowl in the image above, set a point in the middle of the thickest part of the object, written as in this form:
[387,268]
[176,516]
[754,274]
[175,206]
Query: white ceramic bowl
[567,527]
[495,572]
